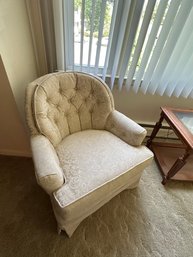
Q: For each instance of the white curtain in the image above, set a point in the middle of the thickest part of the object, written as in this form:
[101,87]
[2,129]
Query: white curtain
[149,48]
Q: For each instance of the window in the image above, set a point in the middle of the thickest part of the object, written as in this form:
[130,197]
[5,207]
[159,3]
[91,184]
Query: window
[90,40]
[144,44]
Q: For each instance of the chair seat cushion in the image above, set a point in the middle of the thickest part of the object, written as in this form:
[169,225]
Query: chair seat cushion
[92,158]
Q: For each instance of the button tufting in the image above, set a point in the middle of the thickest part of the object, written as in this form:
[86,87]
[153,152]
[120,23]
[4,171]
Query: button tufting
[91,91]
[70,99]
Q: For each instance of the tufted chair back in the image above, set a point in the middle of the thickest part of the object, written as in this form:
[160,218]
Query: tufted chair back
[63,103]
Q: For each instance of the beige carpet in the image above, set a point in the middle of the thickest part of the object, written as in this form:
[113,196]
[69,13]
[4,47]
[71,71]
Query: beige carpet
[151,221]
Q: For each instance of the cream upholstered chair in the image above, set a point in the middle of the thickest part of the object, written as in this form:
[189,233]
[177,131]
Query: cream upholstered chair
[85,152]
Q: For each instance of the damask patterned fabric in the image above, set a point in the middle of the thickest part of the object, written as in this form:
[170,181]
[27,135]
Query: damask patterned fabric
[66,104]
[92,158]
[84,151]
[70,216]
[49,174]
[125,128]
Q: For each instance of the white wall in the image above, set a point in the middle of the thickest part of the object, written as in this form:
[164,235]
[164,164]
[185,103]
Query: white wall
[146,108]
[18,58]
[13,138]
[16,48]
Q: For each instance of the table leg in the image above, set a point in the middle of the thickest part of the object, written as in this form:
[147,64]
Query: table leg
[179,163]
[155,130]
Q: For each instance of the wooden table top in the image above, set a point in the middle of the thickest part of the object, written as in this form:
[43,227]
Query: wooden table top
[177,125]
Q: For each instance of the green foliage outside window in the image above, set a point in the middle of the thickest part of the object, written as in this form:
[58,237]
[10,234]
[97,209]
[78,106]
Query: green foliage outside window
[88,16]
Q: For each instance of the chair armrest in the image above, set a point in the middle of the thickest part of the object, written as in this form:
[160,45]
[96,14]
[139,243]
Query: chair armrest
[125,128]
[48,172]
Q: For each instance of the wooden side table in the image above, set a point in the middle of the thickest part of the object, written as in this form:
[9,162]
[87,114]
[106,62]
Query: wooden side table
[175,160]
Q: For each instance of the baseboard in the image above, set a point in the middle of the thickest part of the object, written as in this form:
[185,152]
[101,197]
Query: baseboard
[164,132]
[15,153]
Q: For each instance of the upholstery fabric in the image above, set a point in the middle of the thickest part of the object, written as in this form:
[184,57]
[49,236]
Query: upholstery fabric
[92,158]
[29,102]
[67,104]
[96,164]
[49,174]
[69,217]
[125,128]
[84,151]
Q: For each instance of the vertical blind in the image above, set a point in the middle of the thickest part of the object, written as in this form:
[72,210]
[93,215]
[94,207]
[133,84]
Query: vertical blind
[145,45]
